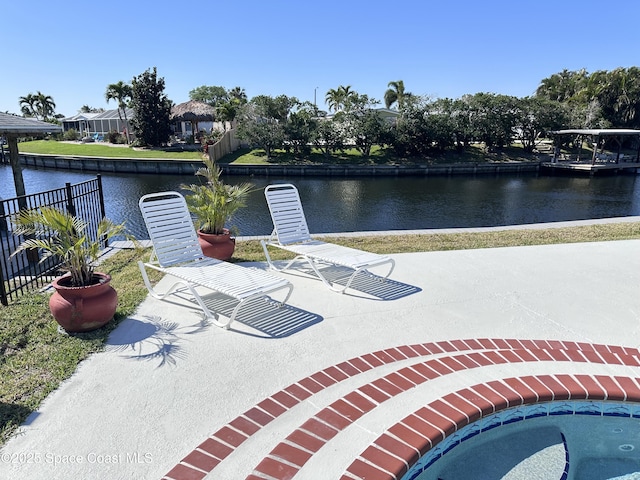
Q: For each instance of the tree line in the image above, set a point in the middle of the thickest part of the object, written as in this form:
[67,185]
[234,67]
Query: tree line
[602,99]
[420,127]
[568,99]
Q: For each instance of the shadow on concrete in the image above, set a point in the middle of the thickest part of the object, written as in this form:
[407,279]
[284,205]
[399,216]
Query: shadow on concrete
[263,315]
[152,339]
[368,284]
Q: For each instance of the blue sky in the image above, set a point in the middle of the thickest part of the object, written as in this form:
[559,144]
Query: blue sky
[72,49]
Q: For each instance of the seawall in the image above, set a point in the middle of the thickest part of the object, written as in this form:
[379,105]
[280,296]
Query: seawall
[186,167]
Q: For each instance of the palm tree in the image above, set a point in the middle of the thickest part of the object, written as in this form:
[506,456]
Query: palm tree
[395,94]
[227,112]
[45,106]
[623,91]
[563,85]
[28,105]
[332,98]
[338,98]
[239,94]
[120,92]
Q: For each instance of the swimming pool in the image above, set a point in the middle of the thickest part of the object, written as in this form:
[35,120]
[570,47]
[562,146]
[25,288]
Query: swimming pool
[572,440]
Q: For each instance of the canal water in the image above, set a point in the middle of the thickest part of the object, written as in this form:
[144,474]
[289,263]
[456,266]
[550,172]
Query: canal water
[380,203]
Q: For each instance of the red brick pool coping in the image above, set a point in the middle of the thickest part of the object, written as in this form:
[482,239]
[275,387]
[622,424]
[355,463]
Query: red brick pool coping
[391,455]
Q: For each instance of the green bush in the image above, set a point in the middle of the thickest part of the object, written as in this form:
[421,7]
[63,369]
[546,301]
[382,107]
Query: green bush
[70,135]
[116,137]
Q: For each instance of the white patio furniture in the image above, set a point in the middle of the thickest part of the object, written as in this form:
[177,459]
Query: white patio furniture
[292,234]
[176,252]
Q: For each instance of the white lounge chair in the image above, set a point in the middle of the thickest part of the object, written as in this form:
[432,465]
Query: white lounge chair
[176,252]
[291,233]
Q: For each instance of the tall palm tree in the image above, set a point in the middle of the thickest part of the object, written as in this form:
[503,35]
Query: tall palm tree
[45,106]
[28,105]
[395,94]
[338,98]
[120,92]
[332,98]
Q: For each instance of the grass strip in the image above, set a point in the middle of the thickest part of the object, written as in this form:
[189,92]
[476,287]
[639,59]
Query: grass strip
[251,251]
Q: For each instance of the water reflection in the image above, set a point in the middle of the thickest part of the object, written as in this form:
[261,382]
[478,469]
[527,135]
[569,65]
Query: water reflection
[371,204]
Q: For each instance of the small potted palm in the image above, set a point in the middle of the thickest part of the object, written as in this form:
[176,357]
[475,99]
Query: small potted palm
[83,299]
[213,203]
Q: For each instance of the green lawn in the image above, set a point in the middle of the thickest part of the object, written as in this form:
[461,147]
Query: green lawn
[99,150]
[379,155]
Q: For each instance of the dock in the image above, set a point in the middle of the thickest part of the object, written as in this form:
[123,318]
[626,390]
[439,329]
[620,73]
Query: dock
[609,160]
[585,166]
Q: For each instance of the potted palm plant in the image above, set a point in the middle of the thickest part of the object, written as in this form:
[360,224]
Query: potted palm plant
[213,203]
[83,299]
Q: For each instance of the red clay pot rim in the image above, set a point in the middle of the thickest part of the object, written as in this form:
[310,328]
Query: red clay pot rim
[104,278]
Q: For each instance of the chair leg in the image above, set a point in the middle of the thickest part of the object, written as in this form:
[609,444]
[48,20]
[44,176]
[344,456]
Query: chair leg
[152,291]
[208,314]
[393,265]
[266,254]
[286,298]
[270,262]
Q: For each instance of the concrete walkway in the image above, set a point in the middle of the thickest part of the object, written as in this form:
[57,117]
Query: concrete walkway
[292,392]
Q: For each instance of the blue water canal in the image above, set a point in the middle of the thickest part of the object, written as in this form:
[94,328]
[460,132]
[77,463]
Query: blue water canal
[381,203]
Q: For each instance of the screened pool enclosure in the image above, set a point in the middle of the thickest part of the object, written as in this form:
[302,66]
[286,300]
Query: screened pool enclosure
[100,124]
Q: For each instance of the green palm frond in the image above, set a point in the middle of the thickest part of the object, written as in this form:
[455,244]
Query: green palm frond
[56,233]
[214,203]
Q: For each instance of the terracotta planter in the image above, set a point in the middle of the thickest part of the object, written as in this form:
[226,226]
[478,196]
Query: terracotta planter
[82,309]
[217,246]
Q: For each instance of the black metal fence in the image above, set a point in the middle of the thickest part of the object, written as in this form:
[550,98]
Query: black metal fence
[25,271]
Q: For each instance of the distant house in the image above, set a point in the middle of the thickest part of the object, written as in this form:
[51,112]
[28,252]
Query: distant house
[89,124]
[386,114]
[390,116]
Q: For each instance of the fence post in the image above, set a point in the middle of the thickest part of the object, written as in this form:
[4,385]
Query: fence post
[103,212]
[3,289]
[71,208]
[4,226]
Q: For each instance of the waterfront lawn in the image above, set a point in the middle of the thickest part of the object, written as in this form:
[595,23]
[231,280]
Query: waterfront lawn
[379,155]
[100,150]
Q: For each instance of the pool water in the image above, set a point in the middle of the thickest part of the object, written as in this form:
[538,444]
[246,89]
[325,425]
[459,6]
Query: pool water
[553,441]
